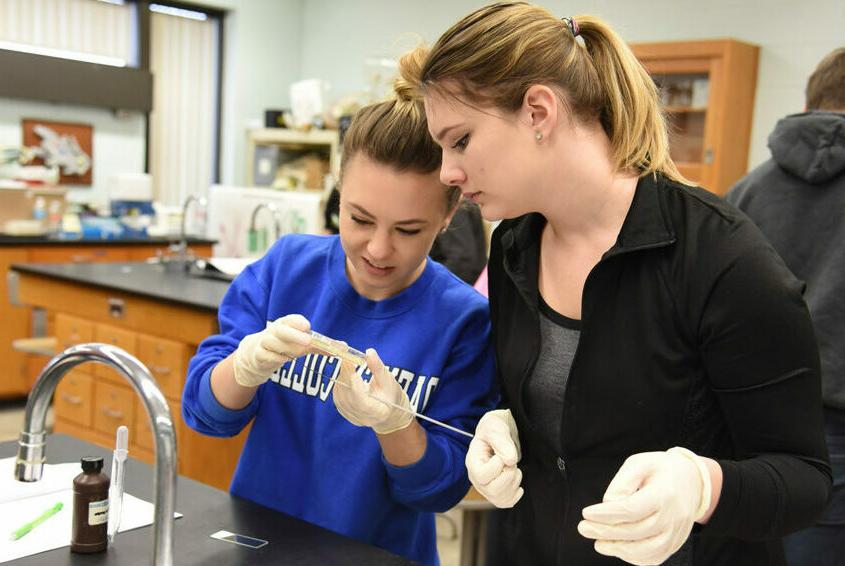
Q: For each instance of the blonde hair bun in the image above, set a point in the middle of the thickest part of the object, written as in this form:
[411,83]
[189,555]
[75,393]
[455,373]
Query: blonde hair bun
[405,91]
[410,72]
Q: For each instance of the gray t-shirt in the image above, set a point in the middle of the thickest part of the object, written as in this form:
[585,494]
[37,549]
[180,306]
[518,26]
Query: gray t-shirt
[559,337]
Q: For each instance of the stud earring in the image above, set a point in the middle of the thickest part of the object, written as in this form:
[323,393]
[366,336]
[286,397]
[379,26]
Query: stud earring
[538,136]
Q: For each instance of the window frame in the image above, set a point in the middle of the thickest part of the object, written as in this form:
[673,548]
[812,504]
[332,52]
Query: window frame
[144,47]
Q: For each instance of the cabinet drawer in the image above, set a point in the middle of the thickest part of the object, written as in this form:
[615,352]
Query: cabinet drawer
[74,398]
[123,339]
[166,360]
[143,428]
[78,254]
[113,406]
[71,330]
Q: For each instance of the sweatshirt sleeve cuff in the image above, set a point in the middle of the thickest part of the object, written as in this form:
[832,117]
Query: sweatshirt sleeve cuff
[423,474]
[212,407]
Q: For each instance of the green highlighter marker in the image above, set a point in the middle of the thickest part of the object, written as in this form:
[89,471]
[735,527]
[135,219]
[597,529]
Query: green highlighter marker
[32,524]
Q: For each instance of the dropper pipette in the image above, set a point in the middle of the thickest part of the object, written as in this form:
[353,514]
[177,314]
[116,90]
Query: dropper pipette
[118,471]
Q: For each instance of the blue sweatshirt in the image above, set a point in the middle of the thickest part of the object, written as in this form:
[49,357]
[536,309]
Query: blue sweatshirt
[301,456]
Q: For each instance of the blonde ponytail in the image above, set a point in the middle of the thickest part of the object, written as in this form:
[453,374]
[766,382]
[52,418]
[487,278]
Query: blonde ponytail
[631,113]
[493,55]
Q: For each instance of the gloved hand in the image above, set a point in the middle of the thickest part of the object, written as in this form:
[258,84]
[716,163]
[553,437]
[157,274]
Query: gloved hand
[353,397]
[492,457]
[260,354]
[649,507]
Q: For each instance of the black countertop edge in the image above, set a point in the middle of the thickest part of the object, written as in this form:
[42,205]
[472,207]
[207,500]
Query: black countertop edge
[206,510]
[146,280]
[6,240]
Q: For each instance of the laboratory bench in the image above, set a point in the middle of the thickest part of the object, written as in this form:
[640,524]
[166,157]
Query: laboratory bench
[19,369]
[160,317]
[207,510]
[133,241]
[152,281]
[154,313]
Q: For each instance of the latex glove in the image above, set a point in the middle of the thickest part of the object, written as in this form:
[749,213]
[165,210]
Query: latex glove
[260,354]
[492,457]
[353,397]
[650,506]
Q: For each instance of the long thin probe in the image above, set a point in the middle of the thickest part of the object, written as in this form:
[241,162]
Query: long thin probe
[409,411]
[357,358]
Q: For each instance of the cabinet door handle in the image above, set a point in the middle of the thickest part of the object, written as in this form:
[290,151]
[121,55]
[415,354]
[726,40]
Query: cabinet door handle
[111,413]
[71,399]
[163,370]
[80,258]
[116,307]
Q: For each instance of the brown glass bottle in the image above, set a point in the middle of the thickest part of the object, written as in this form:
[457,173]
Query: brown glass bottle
[90,508]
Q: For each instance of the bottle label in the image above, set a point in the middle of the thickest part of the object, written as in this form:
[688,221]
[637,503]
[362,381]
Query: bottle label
[98,512]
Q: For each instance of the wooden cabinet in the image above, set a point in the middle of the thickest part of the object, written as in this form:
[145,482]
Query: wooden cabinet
[143,442]
[18,370]
[93,400]
[707,89]
[72,330]
[116,336]
[14,323]
[74,398]
[114,406]
[98,399]
[77,254]
[167,361]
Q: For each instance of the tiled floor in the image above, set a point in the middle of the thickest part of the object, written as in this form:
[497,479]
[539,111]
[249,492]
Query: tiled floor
[448,524]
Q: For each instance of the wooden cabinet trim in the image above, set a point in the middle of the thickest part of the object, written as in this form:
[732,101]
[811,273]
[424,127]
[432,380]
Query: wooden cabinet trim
[183,324]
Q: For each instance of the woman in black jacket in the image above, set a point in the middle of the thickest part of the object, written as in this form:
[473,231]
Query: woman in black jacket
[659,369]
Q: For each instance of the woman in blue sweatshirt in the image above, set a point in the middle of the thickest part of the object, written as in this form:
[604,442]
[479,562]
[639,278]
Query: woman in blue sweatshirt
[329,454]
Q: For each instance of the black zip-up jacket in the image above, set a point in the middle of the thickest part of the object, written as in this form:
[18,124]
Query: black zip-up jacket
[694,334]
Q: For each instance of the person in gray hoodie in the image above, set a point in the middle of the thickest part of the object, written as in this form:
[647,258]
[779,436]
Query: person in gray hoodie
[797,198]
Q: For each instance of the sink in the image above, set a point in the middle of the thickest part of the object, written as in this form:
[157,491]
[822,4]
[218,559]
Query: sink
[220,268]
[204,270]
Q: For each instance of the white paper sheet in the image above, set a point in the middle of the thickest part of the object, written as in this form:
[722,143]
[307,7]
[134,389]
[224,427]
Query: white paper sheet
[22,502]
[230,265]
[54,477]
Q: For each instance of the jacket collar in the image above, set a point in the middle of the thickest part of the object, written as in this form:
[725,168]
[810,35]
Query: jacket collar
[646,226]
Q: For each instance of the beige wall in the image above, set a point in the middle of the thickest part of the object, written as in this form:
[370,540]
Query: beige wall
[793,35]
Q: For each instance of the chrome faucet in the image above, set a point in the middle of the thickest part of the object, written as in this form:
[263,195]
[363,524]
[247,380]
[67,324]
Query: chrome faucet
[32,443]
[277,222]
[277,217]
[183,235]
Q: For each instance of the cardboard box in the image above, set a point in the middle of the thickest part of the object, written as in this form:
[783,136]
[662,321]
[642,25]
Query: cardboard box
[17,204]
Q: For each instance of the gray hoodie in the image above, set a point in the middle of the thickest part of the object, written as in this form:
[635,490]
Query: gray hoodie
[797,198]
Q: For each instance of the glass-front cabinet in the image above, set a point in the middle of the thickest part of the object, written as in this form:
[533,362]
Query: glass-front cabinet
[707,90]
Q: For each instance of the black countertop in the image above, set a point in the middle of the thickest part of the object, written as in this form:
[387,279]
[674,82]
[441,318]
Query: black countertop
[205,511]
[150,280]
[7,240]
